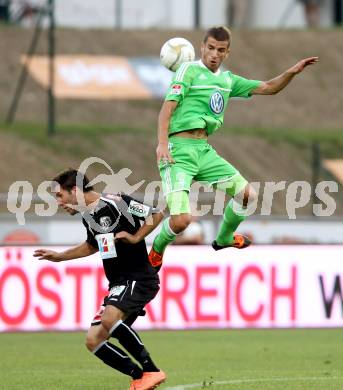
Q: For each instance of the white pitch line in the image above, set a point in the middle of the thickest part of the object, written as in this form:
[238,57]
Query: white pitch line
[242,381]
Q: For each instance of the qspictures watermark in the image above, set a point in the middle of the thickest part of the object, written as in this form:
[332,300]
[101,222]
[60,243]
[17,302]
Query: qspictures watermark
[297,194]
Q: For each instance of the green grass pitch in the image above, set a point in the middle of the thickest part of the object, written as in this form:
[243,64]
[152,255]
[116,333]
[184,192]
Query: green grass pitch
[202,359]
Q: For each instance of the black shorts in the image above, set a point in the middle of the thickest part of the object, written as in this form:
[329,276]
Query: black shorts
[130,297]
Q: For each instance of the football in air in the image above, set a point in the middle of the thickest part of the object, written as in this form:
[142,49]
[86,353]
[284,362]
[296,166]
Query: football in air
[175,52]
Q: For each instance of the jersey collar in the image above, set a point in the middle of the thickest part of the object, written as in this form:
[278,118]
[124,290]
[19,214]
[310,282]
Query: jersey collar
[217,73]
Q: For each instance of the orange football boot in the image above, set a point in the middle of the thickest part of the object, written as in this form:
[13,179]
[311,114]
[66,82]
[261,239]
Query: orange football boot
[239,242]
[155,258]
[150,380]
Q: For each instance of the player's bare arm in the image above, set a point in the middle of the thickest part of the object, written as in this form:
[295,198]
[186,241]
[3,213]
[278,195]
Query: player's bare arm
[278,83]
[76,252]
[166,112]
[148,226]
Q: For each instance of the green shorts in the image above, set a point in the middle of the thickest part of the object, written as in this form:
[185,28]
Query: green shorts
[196,160]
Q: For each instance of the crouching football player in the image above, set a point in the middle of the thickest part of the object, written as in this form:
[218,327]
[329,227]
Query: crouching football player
[114,229]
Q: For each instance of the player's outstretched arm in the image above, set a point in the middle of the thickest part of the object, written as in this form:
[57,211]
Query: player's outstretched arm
[82,250]
[148,226]
[278,83]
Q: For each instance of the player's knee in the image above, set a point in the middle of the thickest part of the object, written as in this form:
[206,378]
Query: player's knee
[107,323]
[180,222]
[249,195]
[252,194]
[91,342]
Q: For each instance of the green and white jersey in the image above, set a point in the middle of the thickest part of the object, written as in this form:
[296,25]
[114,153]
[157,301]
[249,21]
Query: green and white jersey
[203,96]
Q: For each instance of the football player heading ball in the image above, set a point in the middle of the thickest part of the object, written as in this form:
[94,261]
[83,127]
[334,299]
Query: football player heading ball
[193,110]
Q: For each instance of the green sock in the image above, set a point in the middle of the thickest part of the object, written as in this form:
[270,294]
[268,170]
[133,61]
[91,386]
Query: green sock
[165,237]
[230,222]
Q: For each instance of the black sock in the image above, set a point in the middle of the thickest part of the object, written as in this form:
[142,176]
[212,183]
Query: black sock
[130,340]
[117,359]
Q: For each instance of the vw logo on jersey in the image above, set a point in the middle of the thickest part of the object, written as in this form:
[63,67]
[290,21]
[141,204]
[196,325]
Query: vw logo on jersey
[217,102]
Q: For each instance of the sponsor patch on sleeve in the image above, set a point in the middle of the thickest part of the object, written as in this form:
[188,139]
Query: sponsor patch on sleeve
[138,209]
[176,89]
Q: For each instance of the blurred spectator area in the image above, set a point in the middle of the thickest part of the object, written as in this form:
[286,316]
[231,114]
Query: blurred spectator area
[176,14]
[25,12]
[4,10]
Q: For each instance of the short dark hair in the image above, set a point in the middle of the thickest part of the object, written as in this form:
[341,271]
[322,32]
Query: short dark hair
[67,180]
[219,33]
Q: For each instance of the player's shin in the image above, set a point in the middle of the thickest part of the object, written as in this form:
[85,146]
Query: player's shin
[230,223]
[117,359]
[178,203]
[164,238]
[130,340]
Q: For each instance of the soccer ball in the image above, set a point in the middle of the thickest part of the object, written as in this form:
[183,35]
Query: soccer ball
[175,52]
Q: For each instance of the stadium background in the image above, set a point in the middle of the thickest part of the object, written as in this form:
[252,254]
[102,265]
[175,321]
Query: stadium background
[291,278]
